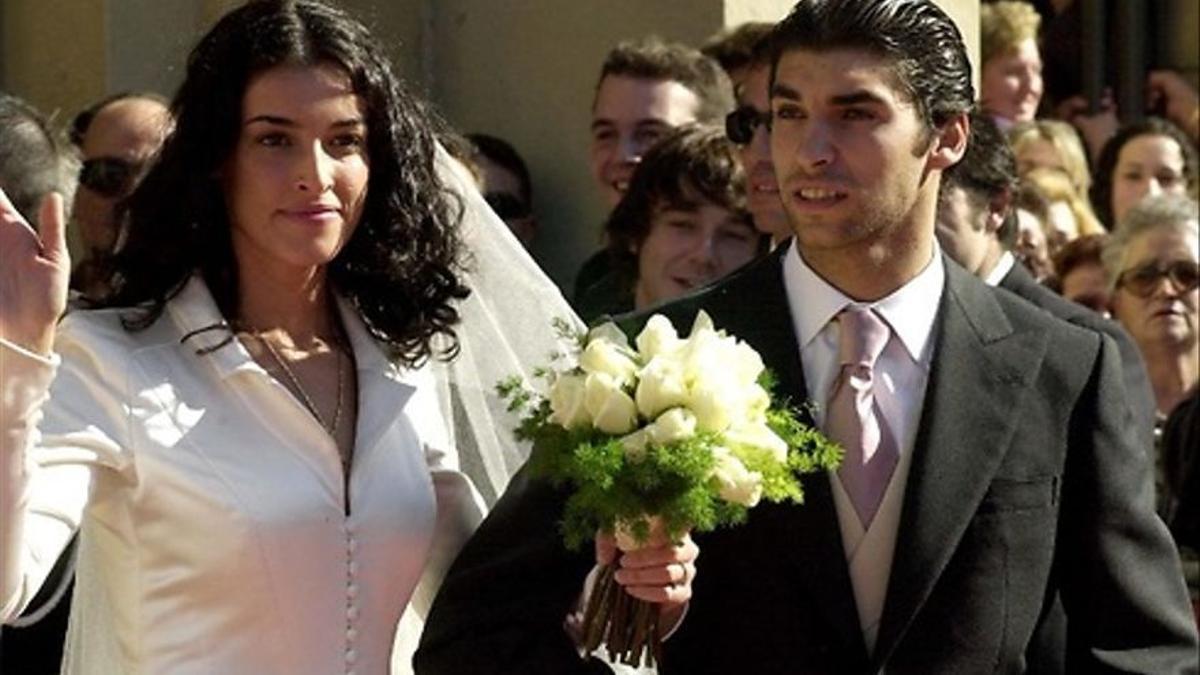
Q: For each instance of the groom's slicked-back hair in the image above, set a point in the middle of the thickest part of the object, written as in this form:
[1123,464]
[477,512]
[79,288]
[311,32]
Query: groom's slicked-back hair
[931,64]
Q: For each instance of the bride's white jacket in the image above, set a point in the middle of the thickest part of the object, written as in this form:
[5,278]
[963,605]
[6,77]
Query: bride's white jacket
[209,503]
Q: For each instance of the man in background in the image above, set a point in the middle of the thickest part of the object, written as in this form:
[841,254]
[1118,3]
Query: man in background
[506,184]
[737,49]
[645,89]
[749,128]
[116,138]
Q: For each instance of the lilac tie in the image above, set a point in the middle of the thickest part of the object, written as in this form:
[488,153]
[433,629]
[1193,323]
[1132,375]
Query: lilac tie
[853,418]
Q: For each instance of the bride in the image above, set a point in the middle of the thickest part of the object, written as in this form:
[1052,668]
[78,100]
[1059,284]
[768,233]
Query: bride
[257,431]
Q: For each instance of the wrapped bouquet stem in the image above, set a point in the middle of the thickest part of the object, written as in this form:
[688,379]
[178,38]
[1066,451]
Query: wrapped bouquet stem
[628,627]
[656,439]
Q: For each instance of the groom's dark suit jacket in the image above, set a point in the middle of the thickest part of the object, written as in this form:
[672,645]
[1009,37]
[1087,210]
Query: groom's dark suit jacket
[1138,392]
[1023,484]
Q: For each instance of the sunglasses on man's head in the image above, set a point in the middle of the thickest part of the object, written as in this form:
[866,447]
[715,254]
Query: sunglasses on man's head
[506,205]
[741,123]
[1184,276]
[108,176]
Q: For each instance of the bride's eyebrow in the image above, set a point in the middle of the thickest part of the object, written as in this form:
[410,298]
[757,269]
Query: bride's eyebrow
[285,122]
[269,119]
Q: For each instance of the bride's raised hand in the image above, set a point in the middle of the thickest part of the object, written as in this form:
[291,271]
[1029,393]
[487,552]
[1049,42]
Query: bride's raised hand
[34,272]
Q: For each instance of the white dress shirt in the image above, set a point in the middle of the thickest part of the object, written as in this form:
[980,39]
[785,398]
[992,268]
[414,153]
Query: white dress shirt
[210,503]
[900,375]
[1003,266]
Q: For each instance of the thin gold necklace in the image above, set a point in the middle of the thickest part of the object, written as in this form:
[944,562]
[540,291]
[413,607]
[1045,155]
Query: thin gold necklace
[304,397]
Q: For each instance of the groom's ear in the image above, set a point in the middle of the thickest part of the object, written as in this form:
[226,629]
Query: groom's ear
[950,142]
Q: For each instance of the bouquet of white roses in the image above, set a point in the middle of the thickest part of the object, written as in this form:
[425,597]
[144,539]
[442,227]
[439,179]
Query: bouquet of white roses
[669,434]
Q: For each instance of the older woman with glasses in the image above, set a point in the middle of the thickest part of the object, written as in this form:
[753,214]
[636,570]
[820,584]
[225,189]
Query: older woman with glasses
[1152,263]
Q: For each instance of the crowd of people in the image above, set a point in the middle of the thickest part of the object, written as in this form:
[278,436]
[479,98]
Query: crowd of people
[228,443]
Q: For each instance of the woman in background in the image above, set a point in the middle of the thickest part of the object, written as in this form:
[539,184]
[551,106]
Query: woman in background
[1144,158]
[1152,261]
[1068,215]
[1050,144]
[1154,269]
[1010,79]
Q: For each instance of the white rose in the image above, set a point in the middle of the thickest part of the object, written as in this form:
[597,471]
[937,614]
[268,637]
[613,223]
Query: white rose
[658,338]
[635,444]
[755,401]
[744,405]
[608,358]
[734,483]
[567,405]
[675,424]
[660,386]
[719,400]
[709,401]
[758,436]
[612,410]
[745,362]
[609,332]
[701,354]
[702,323]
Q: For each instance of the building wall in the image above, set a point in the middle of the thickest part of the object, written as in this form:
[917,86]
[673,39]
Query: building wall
[52,52]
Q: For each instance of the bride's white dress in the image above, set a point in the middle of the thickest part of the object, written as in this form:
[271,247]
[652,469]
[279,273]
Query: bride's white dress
[213,531]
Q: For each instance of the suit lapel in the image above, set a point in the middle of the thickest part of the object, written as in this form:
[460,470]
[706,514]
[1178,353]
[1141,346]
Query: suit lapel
[753,306]
[979,371]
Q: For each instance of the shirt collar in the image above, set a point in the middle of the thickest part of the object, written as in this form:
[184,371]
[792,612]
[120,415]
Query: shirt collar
[205,330]
[1003,266]
[910,310]
[195,312]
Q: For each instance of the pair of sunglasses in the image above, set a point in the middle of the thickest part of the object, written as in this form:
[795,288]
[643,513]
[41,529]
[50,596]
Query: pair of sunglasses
[1184,276]
[741,123]
[108,176]
[507,206]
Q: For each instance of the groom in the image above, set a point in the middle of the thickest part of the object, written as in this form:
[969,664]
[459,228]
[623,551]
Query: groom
[989,464]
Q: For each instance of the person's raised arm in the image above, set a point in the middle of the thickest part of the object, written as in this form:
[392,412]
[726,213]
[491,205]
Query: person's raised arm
[33,292]
[34,273]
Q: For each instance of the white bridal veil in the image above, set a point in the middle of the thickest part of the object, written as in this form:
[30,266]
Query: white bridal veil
[505,330]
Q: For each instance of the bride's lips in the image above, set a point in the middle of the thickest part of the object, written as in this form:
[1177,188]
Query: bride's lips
[316,214]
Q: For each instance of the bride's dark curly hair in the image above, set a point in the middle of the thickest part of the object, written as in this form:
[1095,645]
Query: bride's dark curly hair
[401,266]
